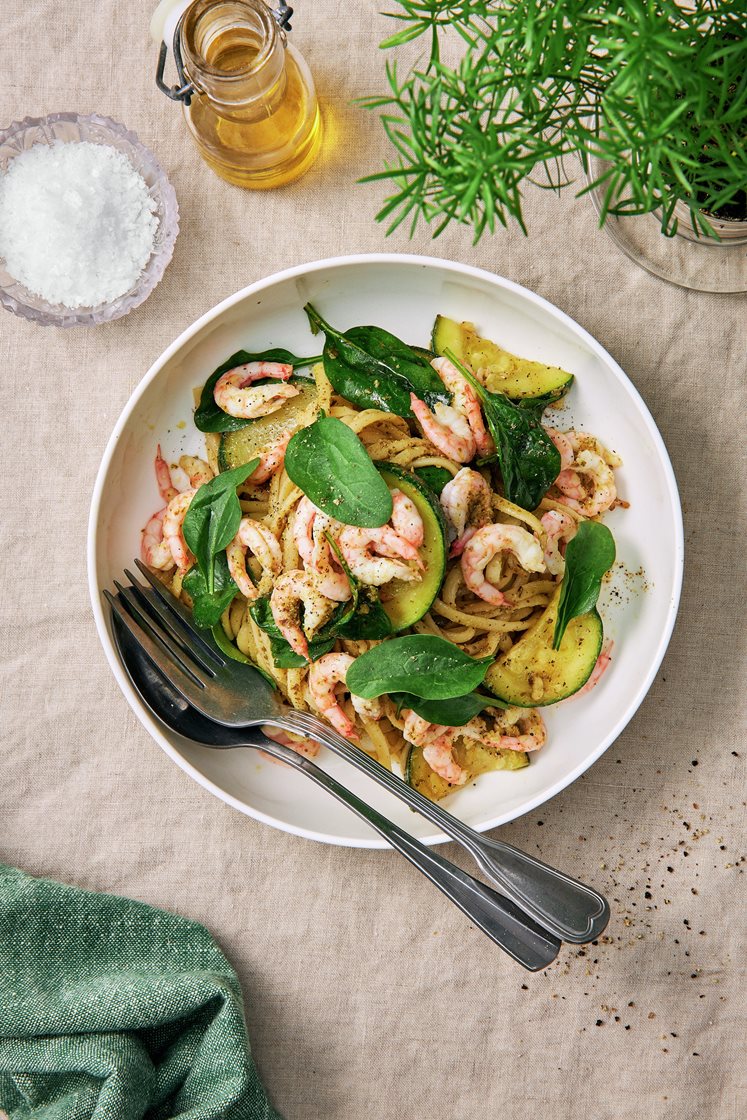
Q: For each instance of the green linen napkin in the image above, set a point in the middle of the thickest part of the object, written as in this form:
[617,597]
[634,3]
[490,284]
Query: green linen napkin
[111,1010]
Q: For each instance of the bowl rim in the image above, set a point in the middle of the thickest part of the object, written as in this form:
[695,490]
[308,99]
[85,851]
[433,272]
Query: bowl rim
[154,727]
[97,316]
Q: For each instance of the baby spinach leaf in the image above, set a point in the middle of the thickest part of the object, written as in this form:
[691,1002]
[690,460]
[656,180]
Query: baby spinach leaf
[332,467]
[528,459]
[537,405]
[589,555]
[396,355]
[282,654]
[208,417]
[370,621]
[435,477]
[207,607]
[454,712]
[372,368]
[213,518]
[422,664]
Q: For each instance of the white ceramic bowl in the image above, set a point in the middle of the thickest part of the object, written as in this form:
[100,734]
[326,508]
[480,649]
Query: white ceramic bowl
[403,294]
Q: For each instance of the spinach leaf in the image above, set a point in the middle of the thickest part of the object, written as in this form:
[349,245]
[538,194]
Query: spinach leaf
[370,621]
[207,606]
[282,654]
[537,405]
[454,712]
[422,664]
[208,417]
[332,467]
[528,459]
[588,556]
[372,368]
[213,518]
[435,477]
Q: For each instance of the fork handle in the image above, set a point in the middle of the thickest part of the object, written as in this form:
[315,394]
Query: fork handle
[498,917]
[570,909]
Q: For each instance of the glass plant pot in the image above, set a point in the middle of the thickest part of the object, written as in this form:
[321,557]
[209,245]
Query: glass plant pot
[689,259]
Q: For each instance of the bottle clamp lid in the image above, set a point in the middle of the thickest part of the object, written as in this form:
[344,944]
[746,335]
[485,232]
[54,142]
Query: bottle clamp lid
[165,27]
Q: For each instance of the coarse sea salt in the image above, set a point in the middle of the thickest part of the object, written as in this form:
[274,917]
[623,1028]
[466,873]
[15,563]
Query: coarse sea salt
[77,225]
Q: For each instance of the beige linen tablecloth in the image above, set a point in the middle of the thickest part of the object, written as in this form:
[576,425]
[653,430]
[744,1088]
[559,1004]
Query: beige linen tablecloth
[367,995]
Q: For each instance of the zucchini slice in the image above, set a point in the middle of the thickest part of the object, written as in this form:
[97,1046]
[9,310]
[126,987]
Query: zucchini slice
[533,674]
[406,603]
[474,757]
[506,373]
[239,447]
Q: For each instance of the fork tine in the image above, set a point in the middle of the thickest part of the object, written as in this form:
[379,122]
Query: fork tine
[180,678]
[178,611]
[163,617]
[200,672]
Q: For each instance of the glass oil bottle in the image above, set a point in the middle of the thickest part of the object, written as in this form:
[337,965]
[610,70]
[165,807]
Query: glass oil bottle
[248,95]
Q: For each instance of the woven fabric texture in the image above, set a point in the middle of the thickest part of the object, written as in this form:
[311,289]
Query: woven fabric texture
[369,996]
[113,1010]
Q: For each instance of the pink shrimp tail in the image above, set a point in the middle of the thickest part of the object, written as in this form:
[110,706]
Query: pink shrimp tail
[272,460]
[602,664]
[166,486]
[460,543]
[307,747]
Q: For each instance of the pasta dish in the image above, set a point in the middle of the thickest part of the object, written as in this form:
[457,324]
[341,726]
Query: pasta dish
[415,547]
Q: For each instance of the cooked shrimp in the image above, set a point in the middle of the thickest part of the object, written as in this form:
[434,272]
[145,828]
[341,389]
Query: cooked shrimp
[306,747]
[570,485]
[419,731]
[310,525]
[560,529]
[330,578]
[172,528]
[466,402]
[466,501]
[293,589]
[446,428]
[602,663]
[236,394]
[601,493]
[490,542]
[502,734]
[263,544]
[564,444]
[438,746]
[406,521]
[271,461]
[376,556]
[303,527]
[154,549]
[325,676]
[439,754]
[166,487]
[197,470]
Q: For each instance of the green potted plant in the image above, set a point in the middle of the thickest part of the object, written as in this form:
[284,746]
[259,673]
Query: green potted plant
[651,95]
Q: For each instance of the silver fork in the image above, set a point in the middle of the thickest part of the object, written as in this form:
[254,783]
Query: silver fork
[503,922]
[217,687]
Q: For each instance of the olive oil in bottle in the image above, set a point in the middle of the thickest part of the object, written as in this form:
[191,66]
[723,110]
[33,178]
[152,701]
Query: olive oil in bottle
[250,107]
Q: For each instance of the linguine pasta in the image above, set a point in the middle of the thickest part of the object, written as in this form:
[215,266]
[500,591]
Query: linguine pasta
[481,629]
